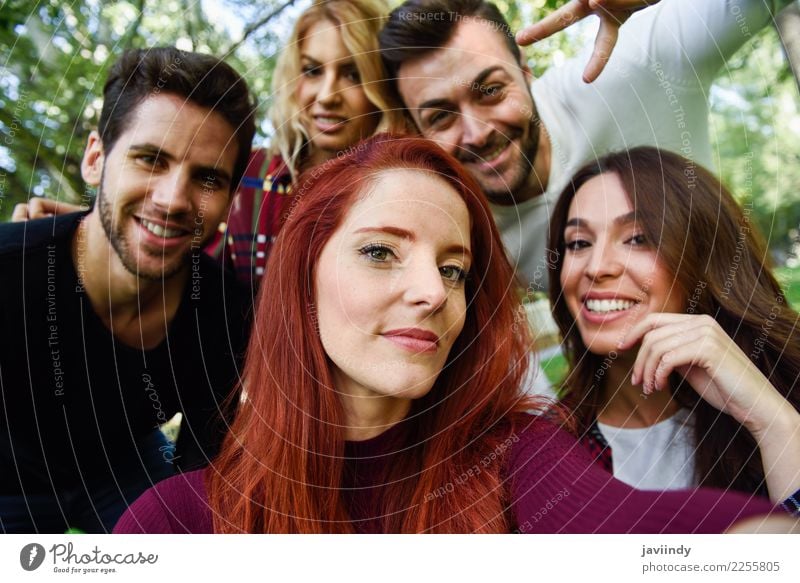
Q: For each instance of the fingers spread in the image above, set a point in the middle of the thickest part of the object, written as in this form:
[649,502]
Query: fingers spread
[603,45]
[554,22]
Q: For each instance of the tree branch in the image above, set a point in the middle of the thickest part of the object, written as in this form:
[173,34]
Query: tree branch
[249,30]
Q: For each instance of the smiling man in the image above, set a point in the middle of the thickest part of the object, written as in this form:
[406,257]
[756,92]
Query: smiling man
[460,73]
[113,320]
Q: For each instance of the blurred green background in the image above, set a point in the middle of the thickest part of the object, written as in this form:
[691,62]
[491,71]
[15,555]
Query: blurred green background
[55,56]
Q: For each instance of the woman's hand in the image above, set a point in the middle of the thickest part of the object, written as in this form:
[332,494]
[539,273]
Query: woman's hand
[612,13]
[697,348]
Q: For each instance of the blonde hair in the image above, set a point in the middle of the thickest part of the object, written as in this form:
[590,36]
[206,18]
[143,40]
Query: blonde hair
[358,22]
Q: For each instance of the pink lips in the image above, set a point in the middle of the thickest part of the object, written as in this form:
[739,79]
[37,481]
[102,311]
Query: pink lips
[413,339]
[324,125]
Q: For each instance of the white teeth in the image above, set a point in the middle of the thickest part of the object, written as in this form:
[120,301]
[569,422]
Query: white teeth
[160,231]
[608,305]
[492,155]
[330,120]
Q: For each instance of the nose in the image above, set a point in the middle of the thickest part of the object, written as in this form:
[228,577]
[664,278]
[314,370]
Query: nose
[474,131]
[328,93]
[172,193]
[605,261]
[424,286]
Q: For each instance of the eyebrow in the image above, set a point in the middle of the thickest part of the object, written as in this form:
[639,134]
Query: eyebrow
[476,82]
[343,62]
[625,219]
[404,234]
[203,171]
[149,149]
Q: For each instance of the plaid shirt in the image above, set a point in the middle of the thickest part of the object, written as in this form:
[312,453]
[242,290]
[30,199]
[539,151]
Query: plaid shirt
[257,214]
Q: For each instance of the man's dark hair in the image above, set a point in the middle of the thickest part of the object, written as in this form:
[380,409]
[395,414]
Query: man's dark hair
[418,27]
[201,79]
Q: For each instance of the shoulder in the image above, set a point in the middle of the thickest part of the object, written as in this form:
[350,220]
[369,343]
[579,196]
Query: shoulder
[538,441]
[16,238]
[263,168]
[217,291]
[178,505]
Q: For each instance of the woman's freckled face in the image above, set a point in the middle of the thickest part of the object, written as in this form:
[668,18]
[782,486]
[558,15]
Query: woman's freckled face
[390,286]
[612,276]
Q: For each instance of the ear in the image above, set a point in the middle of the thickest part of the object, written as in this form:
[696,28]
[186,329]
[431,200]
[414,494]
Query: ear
[93,160]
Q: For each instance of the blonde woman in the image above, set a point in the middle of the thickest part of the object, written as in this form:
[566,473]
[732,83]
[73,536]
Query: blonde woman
[329,93]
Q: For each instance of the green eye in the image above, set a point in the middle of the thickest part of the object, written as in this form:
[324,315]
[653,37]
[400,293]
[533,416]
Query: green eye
[377,253]
[453,273]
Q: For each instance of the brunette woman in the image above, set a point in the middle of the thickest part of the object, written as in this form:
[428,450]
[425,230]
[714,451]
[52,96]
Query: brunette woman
[383,381]
[684,354]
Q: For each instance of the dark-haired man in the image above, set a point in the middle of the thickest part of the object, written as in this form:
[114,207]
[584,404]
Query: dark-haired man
[460,73]
[113,320]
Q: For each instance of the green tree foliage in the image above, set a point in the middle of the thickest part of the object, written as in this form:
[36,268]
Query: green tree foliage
[755,124]
[56,58]
[56,54]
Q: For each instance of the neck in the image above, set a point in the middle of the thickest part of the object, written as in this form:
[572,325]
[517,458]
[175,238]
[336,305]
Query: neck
[136,310]
[625,405]
[315,157]
[369,415]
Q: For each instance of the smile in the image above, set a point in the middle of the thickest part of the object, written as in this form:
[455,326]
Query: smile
[329,120]
[606,306]
[488,159]
[159,231]
[328,123]
[493,155]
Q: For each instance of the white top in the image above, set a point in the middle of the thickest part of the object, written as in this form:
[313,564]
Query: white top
[659,457]
[653,91]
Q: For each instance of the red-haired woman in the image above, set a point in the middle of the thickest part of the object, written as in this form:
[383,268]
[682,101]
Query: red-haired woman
[684,355]
[382,381]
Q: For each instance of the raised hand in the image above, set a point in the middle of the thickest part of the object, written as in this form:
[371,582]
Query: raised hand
[612,13]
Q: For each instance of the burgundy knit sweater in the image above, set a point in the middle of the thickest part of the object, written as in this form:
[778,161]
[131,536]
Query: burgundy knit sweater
[553,486]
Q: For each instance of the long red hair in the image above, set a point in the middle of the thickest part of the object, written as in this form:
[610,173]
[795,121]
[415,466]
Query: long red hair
[281,466]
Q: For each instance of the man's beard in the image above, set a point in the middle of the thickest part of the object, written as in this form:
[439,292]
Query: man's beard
[122,247]
[517,177]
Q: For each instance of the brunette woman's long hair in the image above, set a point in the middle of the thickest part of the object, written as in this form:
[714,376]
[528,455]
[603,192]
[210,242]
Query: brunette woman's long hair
[719,261]
[281,466]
